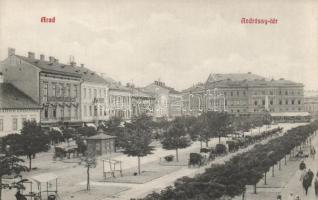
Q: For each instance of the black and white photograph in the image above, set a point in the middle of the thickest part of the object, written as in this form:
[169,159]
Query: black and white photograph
[158,100]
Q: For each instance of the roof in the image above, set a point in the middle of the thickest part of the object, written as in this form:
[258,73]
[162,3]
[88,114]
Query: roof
[89,75]
[100,136]
[54,67]
[44,178]
[233,77]
[118,86]
[12,98]
[136,92]
[197,87]
[289,114]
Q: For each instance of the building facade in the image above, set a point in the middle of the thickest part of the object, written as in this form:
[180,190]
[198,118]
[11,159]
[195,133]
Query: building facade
[141,102]
[94,97]
[15,108]
[243,94]
[54,86]
[168,101]
[311,103]
[119,101]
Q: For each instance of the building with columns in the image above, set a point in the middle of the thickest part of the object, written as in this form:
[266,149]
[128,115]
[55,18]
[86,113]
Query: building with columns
[53,85]
[243,94]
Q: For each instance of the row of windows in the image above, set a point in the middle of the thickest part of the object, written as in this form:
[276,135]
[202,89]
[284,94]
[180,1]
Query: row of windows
[280,102]
[67,112]
[94,111]
[14,123]
[119,100]
[94,93]
[59,90]
[263,92]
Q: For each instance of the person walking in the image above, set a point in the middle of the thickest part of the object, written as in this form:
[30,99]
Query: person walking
[316,186]
[313,152]
[291,196]
[307,180]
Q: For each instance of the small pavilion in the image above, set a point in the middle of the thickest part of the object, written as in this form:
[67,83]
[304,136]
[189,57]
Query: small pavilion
[101,144]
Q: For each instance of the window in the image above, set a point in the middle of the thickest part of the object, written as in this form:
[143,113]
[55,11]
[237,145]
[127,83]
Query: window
[263,102]
[95,93]
[23,120]
[255,103]
[46,113]
[271,102]
[45,92]
[286,93]
[299,101]
[54,113]
[14,124]
[263,92]
[271,92]
[286,102]
[85,110]
[67,91]
[95,111]
[224,93]
[90,110]
[280,102]
[76,112]
[89,93]
[293,101]
[100,93]
[238,93]
[1,124]
[105,93]
[84,93]
[231,93]
[53,90]
[244,93]
[100,111]
[75,91]
[280,92]
[58,90]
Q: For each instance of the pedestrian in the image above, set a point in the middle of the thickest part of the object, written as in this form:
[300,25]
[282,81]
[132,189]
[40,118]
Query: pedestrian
[291,196]
[307,180]
[316,187]
[313,152]
[302,175]
[297,198]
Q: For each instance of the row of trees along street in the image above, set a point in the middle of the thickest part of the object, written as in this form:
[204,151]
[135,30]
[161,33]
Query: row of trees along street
[133,138]
[230,179]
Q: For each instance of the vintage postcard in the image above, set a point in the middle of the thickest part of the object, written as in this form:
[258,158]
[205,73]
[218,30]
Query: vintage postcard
[158,100]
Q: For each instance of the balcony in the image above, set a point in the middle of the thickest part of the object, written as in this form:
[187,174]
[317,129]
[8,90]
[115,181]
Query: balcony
[64,99]
[99,100]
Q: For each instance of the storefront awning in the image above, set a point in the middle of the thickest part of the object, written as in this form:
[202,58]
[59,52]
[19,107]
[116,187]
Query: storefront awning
[44,178]
[290,114]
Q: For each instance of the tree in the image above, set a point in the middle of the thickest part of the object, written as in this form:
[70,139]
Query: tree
[200,130]
[9,165]
[86,131]
[55,136]
[175,137]
[114,127]
[138,138]
[68,133]
[90,162]
[32,140]
[219,124]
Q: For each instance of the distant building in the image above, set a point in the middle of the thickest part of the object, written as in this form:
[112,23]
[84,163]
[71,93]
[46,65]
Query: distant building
[141,102]
[244,94]
[168,100]
[311,103]
[15,108]
[119,101]
[53,85]
[94,96]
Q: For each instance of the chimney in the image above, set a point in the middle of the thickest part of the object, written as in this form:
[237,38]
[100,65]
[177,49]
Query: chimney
[51,59]
[82,65]
[42,57]
[11,51]
[31,55]
[73,64]
[1,77]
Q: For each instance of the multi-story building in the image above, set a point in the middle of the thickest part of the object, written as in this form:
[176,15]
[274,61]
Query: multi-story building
[119,101]
[141,102]
[15,108]
[53,85]
[94,96]
[244,94]
[311,103]
[168,100]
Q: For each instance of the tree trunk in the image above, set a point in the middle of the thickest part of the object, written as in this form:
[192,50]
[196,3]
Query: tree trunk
[177,155]
[0,187]
[265,180]
[219,139]
[243,195]
[255,192]
[273,170]
[139,165]
[279,165]
[30,162]
[88,184]
[201,144]
[285,160]
[206,143]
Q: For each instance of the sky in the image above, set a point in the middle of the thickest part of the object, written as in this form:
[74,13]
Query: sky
[179,42]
